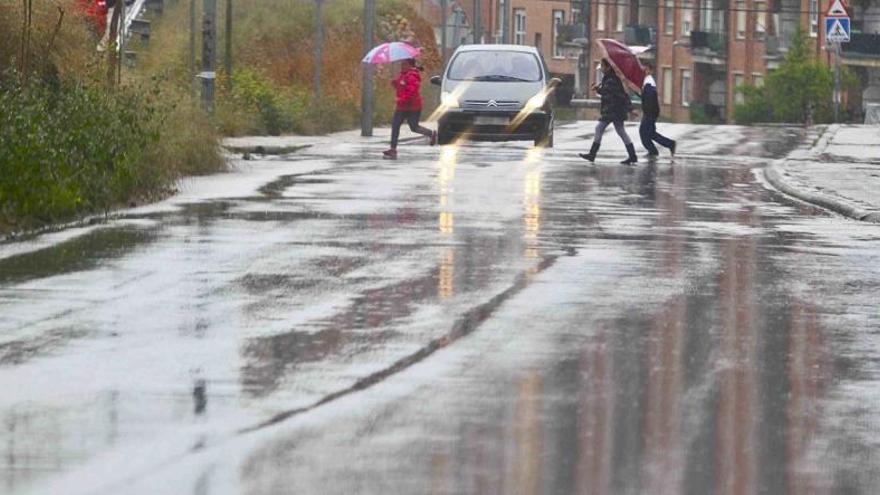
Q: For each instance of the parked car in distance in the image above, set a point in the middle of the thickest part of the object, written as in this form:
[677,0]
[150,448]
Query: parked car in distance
[496,93]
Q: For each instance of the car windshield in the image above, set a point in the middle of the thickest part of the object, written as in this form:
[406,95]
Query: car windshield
[486,65]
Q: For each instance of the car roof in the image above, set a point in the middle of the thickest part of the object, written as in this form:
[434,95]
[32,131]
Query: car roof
[498,48]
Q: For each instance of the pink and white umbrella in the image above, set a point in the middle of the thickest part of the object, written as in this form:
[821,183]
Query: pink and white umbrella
[394,51]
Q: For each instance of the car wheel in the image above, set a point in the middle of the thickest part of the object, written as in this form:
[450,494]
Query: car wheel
[443,136]
[544,139]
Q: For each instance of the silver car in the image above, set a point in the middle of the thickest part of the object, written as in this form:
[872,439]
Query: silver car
[496,93]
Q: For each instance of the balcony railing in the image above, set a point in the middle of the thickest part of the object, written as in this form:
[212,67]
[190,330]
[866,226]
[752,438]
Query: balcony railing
[638,36]
[862,44]
[714,43]
[567,33]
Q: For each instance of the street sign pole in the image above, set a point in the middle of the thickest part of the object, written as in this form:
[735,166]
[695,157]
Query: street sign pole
[836,82]
[837,31]
[367,82]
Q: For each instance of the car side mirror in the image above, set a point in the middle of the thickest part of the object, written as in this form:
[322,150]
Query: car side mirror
[435,80]
[554,82]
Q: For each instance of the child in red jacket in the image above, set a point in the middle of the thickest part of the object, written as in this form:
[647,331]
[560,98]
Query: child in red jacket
[409,105]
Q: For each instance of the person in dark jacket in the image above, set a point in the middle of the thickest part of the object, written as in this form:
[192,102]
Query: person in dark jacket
[650,112]
[408,106]
[615,106]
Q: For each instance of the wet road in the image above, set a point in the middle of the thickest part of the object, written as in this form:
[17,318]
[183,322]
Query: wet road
[473,319]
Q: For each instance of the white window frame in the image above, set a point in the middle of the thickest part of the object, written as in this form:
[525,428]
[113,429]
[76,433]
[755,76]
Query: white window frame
[760,19]
[558,20]
[739,79]
[687,20]
[601,14]
[741,18]
[669,17]
[667,85]
[706,9]
[814,18]
[685,87]
[758,79]
[620,16]
[519,26]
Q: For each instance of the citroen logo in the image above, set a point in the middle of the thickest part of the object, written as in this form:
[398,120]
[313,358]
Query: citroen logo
[492,103]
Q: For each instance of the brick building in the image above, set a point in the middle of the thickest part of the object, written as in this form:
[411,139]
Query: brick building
[703,49]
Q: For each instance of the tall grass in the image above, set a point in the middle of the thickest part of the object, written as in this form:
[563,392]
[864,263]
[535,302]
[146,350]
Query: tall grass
[69,144]
[271,90]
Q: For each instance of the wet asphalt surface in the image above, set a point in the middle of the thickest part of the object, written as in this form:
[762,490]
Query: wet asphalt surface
[477,318]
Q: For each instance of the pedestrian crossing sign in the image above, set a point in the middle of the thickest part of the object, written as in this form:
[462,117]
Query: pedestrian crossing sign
[836,29]
[837,9]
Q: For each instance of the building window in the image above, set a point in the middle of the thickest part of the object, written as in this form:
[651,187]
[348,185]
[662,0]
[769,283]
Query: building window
[538,41]
[558,20]
[600,17]
[519,26]
[667,86]
[668,19]
[740,19]
[620,20]
[760,20]
[758,80]
[814,17]
[706,13]
[738,81]
[685,87]
[687,19]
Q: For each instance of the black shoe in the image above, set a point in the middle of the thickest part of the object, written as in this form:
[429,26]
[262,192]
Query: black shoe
[651,156]
[672,148]
[631,158]
[591,156]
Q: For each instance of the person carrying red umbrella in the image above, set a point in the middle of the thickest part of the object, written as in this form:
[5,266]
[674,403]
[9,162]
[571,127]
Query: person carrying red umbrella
[408,105]
[615,106]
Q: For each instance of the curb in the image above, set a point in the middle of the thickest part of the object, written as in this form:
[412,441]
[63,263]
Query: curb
[774,176]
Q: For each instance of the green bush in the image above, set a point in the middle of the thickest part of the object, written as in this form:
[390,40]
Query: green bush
[754,107]
[799,90]
[70,149]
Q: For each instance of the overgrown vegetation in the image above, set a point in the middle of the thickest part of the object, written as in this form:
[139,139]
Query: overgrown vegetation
[800,91]
[272,90]
[70,144]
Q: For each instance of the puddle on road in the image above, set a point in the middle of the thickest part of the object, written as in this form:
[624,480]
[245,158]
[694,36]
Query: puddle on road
[85,252]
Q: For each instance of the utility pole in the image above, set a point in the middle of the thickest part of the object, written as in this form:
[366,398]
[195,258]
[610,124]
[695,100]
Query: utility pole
[319,40]
[478,22]
[502,6]
[443,24]
[367,84]
[209,52]
[112,47]
[192,40]
[227,55]
[584,66]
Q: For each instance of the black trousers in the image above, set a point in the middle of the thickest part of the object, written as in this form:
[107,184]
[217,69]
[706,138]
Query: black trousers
[412,118]
[648,133]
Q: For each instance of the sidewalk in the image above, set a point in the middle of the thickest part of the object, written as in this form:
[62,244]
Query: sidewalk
[840,172]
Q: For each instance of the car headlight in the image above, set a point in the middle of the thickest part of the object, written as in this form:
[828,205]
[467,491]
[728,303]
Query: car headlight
[448,100]
[537,101]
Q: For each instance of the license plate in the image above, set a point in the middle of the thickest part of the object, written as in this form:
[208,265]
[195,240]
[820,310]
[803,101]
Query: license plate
[490,120]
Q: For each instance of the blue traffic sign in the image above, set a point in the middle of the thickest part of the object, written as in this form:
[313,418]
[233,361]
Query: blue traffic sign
[837,29]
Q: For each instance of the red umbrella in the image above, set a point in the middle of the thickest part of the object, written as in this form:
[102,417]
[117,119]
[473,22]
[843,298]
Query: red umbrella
[624,62]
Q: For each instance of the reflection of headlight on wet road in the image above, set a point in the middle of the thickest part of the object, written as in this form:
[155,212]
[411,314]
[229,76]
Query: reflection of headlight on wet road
[448,100]
[536,101]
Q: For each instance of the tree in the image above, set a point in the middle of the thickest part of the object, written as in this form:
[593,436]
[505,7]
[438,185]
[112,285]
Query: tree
[799,91]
